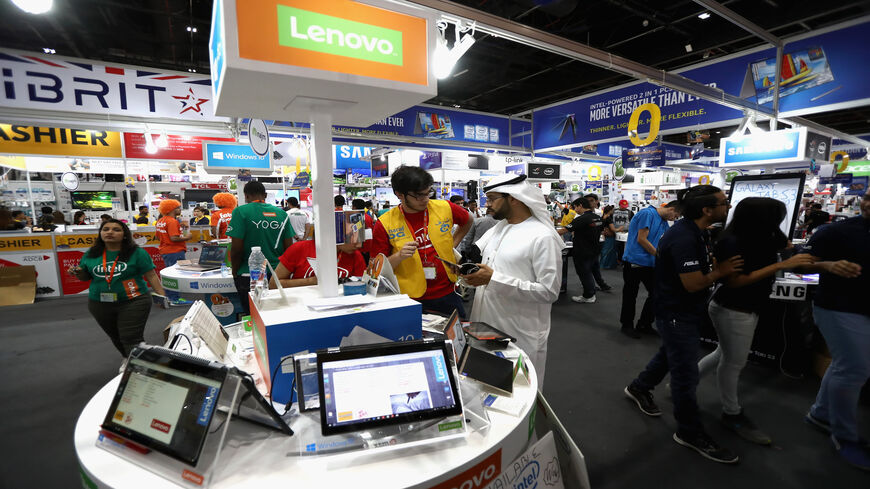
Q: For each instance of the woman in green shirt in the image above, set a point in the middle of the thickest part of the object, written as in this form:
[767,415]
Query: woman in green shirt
[118,297]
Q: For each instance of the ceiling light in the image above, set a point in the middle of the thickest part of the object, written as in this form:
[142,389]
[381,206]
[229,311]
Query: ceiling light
[191,29]
[150,147]
[688,48]
[33,6]
[48,50]
[444,58]
[704,16]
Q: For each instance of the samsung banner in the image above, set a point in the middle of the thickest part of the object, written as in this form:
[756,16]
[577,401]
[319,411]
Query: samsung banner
[824,71]
[763,148]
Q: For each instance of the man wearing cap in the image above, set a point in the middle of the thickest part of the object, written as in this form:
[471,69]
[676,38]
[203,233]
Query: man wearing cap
[621,218]
[520,273]
[414,235]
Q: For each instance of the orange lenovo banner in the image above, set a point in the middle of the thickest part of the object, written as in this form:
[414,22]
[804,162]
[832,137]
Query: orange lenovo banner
[59,141]
[336,35]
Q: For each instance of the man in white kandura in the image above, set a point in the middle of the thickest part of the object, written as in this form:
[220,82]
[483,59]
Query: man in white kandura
[521,272]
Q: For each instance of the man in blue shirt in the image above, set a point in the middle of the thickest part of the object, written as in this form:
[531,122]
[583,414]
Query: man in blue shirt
[842,313]
[684,273]
[644,232]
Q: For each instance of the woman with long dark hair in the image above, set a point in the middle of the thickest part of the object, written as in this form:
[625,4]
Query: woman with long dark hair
[754,234]
[118,297]
[79,218]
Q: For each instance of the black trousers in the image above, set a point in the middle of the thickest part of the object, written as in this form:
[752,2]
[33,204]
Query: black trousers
[124,322]
[633,277]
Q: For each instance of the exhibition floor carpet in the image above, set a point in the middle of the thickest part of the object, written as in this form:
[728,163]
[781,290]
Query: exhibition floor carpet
[54,358]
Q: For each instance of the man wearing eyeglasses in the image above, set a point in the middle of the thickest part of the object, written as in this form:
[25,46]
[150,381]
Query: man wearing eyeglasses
[416,234]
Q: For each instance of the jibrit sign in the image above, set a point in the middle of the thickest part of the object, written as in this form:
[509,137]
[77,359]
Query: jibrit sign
[32,81]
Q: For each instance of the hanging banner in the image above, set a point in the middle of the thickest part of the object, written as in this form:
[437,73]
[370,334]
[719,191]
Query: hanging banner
[821,71]
[647,156]
[38,82]
[188,148]
[59,141]
[767,148]
[545,171]
[347,156]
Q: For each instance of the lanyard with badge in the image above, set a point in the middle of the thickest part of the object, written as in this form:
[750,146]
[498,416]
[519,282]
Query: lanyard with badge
[109,296]
[429,272]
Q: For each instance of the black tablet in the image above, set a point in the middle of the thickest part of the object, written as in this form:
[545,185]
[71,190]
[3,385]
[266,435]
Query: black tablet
[384,384]
[165,401]
[486,332]
[484,367]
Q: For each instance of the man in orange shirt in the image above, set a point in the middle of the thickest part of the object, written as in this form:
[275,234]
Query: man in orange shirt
[172,235]
[220,218]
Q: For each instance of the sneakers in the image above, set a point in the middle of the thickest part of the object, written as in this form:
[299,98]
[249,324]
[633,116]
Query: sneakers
[708,448]
[854,453]
[644,401]
[630,332]
[818,423]
[745,428]
[583,300]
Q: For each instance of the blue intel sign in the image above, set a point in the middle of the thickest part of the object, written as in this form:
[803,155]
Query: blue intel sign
[768,147]
[234,156]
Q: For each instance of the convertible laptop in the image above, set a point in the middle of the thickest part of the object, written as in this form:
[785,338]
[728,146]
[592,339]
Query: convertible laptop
[384,384]
[211,258]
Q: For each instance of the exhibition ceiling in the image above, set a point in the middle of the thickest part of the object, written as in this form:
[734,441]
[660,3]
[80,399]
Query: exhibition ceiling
[495,75]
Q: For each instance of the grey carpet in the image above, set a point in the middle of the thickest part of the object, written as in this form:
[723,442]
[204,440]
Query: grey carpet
[54,358]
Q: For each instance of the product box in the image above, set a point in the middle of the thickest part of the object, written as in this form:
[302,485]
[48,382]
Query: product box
[17,285]
[284,328]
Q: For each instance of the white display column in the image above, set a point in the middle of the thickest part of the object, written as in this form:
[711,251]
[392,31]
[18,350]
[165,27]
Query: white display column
[324,221]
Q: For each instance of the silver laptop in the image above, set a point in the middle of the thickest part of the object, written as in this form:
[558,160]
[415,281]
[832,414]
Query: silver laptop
[211,258]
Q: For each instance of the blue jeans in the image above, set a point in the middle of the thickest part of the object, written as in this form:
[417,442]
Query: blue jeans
[444,305]
[169,260]
[679,357]
[848,338]
[608,253]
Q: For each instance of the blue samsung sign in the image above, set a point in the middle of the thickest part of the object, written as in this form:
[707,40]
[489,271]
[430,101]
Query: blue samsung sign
[769,147]
[234,156]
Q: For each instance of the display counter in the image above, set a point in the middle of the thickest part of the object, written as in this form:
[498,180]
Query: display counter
[53,253]
[218,292]
[254,457]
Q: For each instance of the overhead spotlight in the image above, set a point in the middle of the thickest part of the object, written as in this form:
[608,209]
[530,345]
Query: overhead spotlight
[191,29]
[191,70]
[34,6]
[704,16]
[48,51]
[688,48]
[644,23]
[444,58]
[150,147]
[162,140]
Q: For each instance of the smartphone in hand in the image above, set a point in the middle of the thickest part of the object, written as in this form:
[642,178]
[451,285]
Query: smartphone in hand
[464,269]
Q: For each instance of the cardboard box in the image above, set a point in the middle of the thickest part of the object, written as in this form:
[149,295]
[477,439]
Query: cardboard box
[17,285]
[169,327]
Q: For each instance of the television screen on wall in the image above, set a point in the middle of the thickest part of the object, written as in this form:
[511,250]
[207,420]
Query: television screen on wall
[92,200]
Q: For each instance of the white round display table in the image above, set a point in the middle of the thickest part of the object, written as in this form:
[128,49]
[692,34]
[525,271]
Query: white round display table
[275,460]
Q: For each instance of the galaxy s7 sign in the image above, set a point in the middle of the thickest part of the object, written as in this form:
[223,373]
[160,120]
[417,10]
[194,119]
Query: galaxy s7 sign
[332,35]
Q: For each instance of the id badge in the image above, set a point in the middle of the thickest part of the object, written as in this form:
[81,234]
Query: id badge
[108,297]
[429,273]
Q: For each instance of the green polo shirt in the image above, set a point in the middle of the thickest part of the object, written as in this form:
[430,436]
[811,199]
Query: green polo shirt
[127,282]
[262,225]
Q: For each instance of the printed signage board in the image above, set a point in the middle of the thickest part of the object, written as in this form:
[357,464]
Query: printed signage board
[179,148]
[356,63]
[544,171]
[59,141]
[39,82]
[646,156]
[787,145]
[230,158]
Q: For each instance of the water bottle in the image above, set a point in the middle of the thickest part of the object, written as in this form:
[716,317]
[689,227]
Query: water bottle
[257,266]
[225,270]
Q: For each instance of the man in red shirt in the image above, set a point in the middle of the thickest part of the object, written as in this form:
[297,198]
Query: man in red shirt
[172,239]
[415,234]
[294,268]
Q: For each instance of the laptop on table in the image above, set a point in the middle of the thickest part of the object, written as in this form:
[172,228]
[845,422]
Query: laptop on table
[211,258]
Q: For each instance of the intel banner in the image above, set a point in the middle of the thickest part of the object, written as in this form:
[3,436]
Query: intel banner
[820,72]
[233,157]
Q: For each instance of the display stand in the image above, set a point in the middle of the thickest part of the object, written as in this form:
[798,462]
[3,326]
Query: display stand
[202,475]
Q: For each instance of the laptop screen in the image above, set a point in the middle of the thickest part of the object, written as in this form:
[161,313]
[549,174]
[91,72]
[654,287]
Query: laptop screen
[165,403]
[384,385]
[212,255]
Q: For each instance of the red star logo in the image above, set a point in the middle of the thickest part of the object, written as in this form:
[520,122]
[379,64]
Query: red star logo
[190,102]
